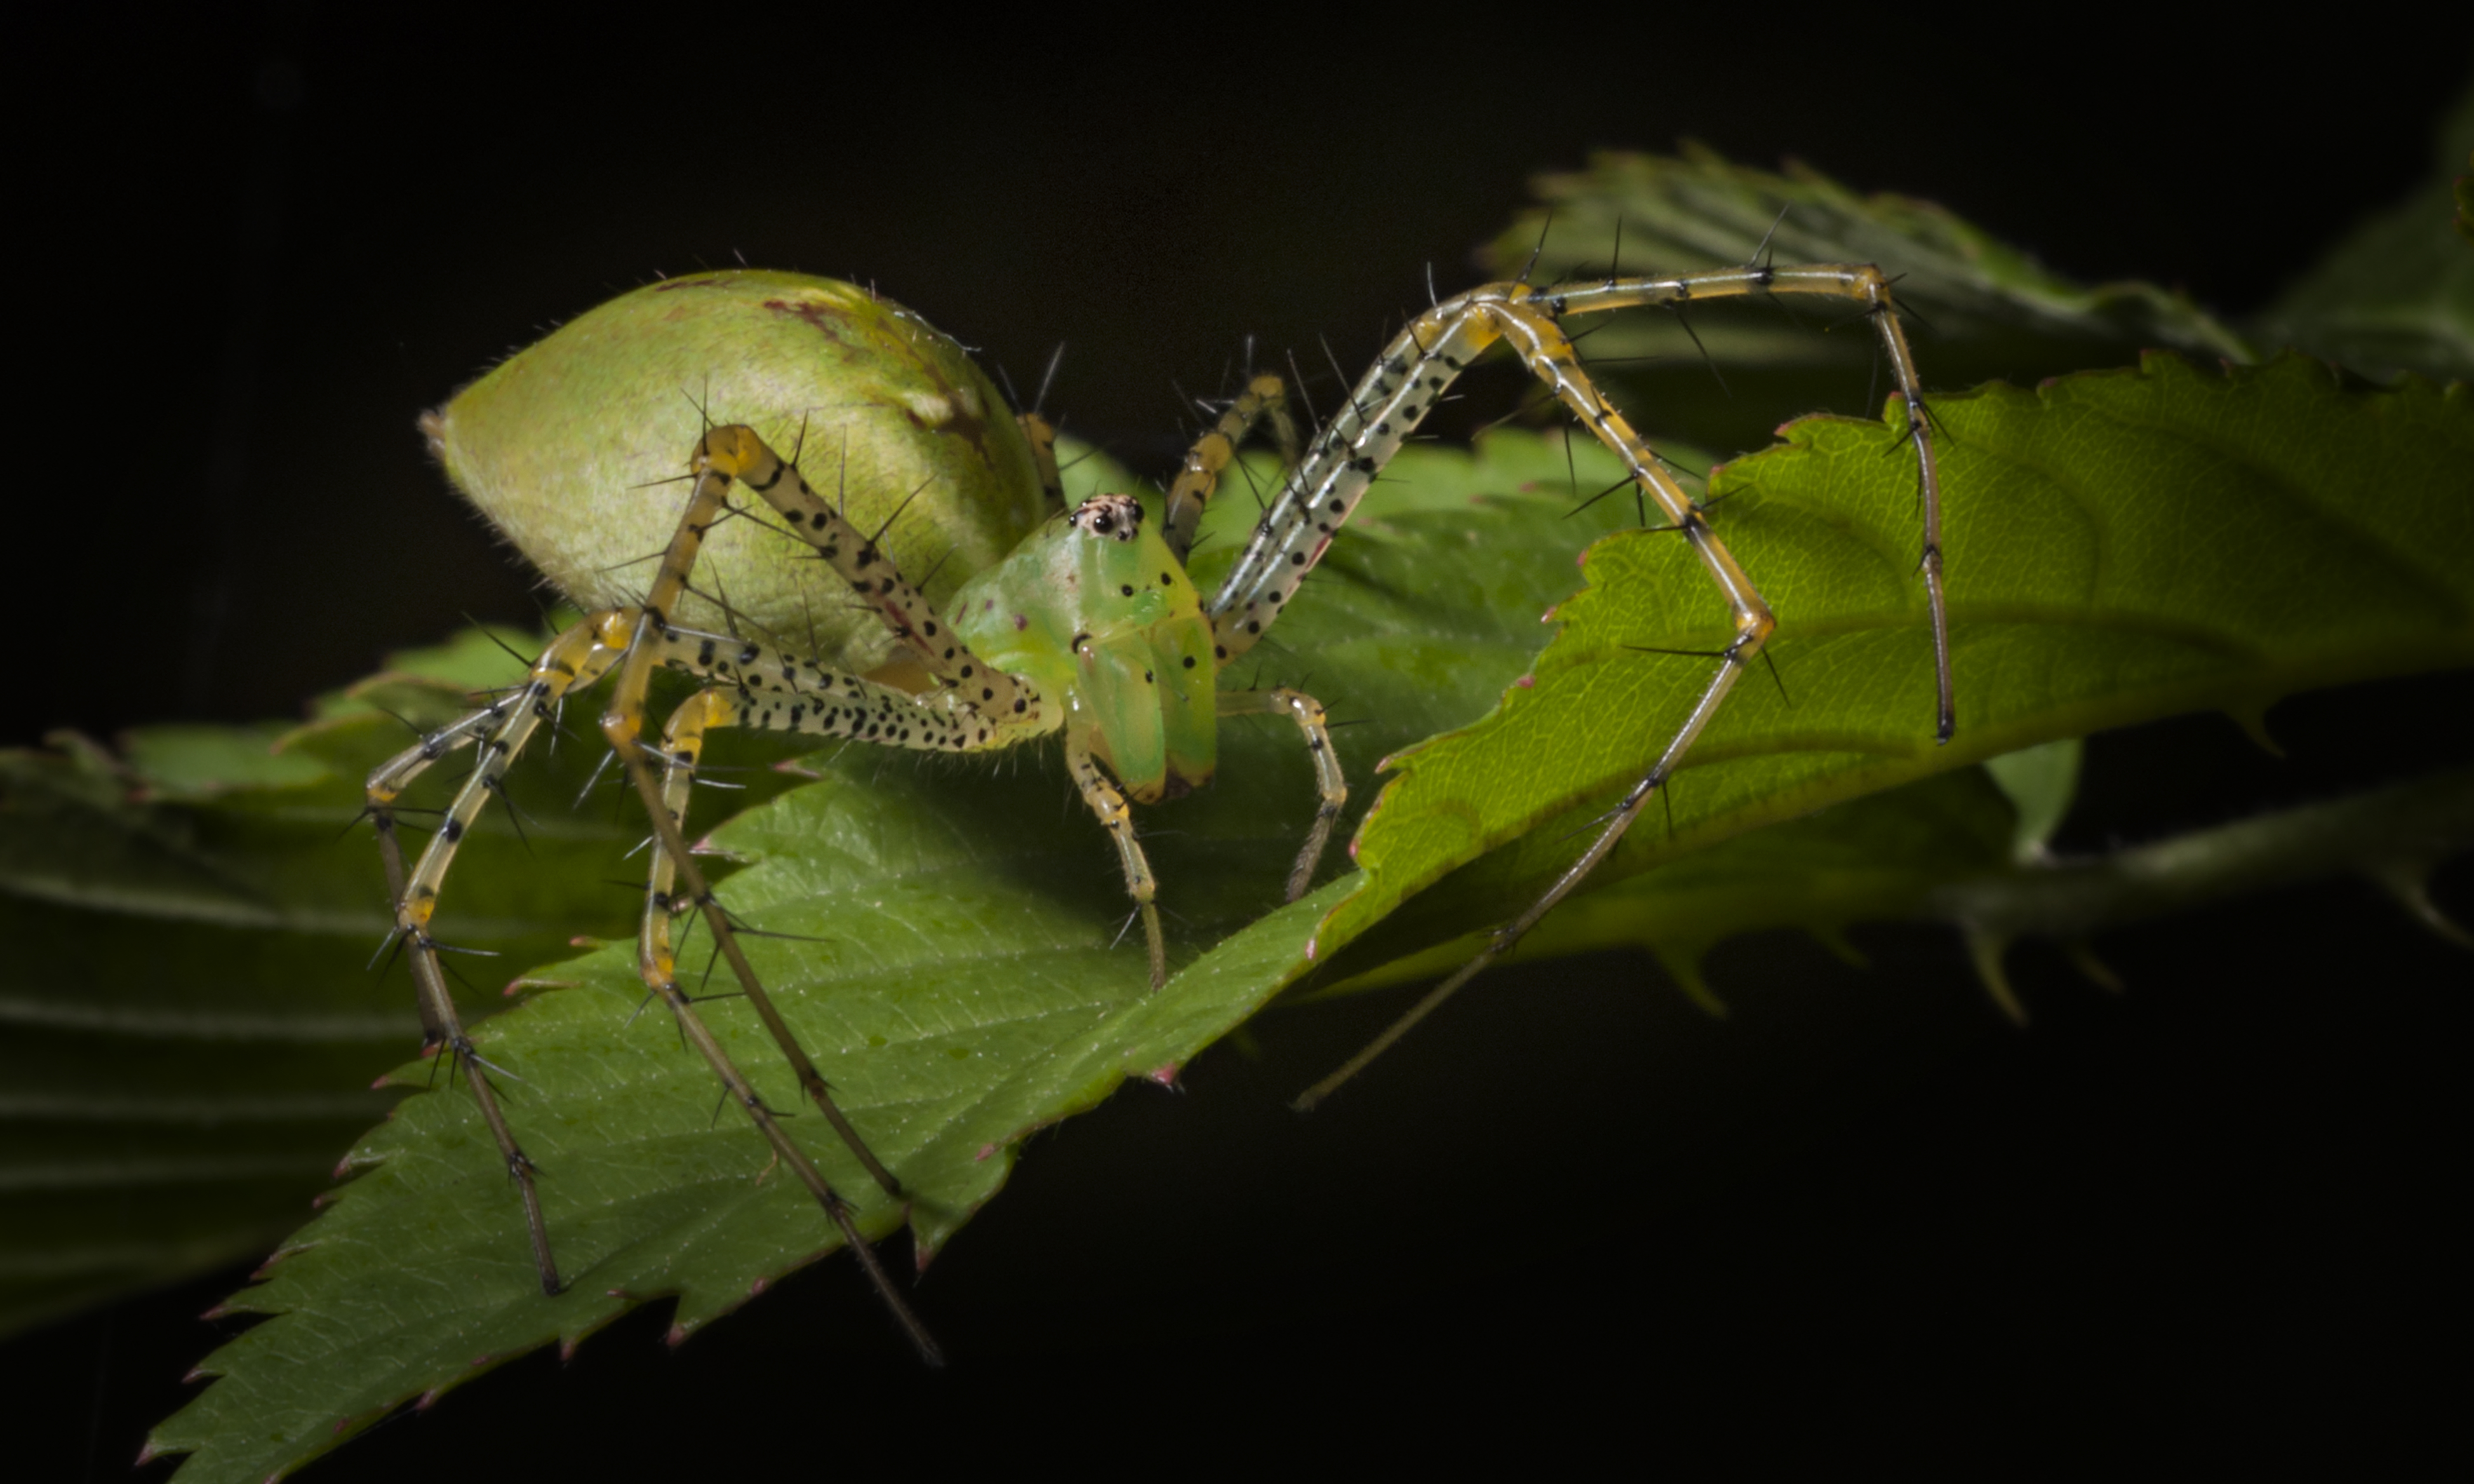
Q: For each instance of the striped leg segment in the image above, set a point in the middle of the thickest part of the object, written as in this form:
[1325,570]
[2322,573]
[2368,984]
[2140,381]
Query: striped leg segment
[1042,438]
[737,453]
[1117,818]
[576,658]
[1265,397]
[772,689]
[658,966]
[1412,373]
[1331,787]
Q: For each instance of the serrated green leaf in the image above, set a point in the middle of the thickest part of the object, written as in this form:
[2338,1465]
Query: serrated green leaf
[954,963]
[2121,545]
[189,1020]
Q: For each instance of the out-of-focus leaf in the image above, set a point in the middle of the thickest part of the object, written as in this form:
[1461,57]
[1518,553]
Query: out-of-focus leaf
[2398,293]
[2040,782]
[1986,309]
[1947,849]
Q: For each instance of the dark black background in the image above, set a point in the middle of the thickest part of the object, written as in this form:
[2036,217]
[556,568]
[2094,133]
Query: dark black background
[2206,1220]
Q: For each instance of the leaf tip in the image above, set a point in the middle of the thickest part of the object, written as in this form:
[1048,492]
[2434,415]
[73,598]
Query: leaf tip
[1985,950]
[2252,719]
[2411,888]
[1684,967]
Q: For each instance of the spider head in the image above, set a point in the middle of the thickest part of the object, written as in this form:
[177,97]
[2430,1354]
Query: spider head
[1117,517]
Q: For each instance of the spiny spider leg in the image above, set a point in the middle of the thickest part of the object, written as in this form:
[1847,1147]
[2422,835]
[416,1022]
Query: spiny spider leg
[1041,435]
[579,656]
[1265,397]
[994,699]
[1412,373]
[1331,786]
[765,689]
[651,643]
[1107,803]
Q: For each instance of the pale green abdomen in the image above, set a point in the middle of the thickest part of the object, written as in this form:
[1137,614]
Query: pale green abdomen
[574,448]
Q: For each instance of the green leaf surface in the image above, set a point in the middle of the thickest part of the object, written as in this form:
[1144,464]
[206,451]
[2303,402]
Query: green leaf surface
[954,961]
[2121,545]
[191,1025]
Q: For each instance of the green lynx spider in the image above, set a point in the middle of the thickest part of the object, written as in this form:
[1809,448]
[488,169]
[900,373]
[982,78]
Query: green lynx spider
[1089,627]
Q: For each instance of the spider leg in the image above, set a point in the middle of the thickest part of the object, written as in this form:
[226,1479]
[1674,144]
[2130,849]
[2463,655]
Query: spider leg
[578,657]
[1409,378]
[768,689]
[1332,786]
[1108,804]
[720,456]
[1266,399]
[1042,438]
[729,453]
